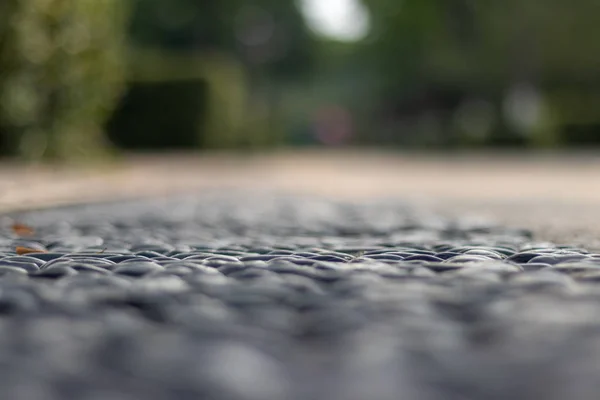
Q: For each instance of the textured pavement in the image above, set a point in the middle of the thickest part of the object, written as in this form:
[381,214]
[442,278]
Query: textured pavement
[230,296]
[235,292]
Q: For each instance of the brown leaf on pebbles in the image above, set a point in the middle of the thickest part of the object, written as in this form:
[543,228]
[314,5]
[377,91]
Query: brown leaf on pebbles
[26,250]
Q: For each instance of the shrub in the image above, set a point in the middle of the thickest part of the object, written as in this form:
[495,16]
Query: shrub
[162,114]
[61,74]
[184,100]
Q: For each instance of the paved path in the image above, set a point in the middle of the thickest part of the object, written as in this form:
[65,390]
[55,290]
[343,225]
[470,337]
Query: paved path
[231,296]
[555,195]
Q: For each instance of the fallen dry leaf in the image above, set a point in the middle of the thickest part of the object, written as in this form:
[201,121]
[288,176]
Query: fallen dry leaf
[22,229]
[26,250]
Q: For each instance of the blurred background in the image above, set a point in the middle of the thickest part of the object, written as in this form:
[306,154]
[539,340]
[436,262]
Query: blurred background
[93,78]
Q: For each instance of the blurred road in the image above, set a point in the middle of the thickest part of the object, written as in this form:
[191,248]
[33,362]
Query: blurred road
[556,195]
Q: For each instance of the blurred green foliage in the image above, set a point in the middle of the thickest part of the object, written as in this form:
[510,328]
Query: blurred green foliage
[182,100]
[447,53]
[268,33]
[250,74]
[61,73]
[430,73]
[161,114]
[234,54]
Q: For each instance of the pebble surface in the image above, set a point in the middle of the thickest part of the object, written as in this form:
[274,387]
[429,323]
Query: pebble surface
[275,297]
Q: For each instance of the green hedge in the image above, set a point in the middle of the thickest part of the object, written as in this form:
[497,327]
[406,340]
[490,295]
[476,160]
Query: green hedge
[183,100]
[62,74]
[163,114]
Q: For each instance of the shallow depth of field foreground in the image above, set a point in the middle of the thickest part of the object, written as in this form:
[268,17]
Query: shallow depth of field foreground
[267,293]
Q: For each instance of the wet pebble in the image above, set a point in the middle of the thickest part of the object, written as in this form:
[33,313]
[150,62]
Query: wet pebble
[137,268]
